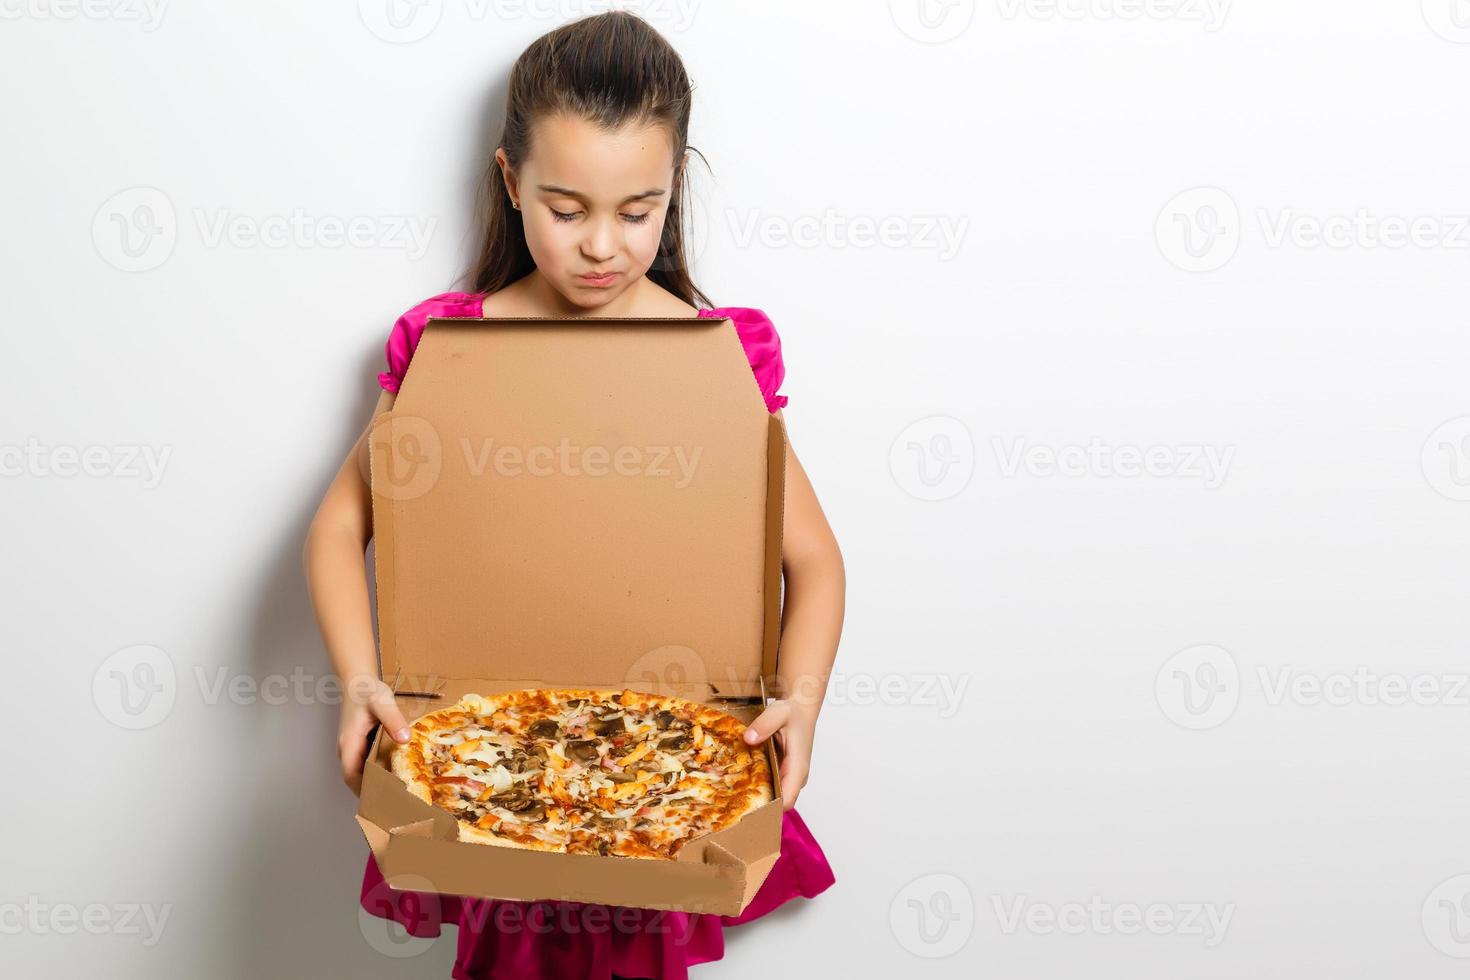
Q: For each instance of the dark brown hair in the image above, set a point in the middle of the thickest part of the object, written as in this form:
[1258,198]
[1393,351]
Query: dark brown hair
[610,69]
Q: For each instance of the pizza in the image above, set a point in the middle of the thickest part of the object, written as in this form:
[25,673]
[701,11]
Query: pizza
[622,773]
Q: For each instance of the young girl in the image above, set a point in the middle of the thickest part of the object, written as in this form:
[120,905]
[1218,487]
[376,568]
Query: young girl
[584,206]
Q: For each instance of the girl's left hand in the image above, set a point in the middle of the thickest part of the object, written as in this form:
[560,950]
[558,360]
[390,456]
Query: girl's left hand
[794,724]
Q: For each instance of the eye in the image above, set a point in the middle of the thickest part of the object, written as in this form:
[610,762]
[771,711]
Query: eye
[563,216]
[636,219]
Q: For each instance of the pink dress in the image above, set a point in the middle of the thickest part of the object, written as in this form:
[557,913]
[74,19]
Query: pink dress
[555,940]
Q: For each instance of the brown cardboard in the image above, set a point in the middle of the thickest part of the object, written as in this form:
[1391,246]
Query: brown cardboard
[514,552]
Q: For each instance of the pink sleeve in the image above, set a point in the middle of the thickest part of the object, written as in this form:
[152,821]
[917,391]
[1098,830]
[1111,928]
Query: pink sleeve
[404,338]
[762,349]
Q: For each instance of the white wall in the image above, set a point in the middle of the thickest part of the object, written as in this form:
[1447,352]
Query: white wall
[1051,143]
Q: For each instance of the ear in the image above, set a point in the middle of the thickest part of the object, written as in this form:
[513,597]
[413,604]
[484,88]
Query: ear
[507,174]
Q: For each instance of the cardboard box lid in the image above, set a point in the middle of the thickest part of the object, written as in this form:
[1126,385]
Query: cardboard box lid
[563,499]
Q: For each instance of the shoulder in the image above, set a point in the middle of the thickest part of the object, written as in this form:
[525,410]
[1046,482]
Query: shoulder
[762,348]
[403,339]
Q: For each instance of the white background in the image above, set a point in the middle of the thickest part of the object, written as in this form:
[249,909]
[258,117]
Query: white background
[1078,766]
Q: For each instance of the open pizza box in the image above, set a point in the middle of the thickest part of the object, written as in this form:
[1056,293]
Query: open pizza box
[576,503]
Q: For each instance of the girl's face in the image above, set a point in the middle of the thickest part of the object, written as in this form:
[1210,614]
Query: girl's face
[593,204]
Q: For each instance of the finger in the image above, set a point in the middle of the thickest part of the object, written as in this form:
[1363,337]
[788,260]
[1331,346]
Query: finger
[385,709]
[791,784]
[772,720]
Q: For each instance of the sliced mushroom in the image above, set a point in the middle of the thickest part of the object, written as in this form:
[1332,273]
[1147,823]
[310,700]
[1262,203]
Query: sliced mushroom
[545,728]
[582,749]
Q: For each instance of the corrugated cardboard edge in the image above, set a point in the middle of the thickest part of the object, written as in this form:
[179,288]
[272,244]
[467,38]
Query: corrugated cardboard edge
[775,528]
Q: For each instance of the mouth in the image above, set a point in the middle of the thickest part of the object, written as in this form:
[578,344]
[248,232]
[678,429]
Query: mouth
[599,278]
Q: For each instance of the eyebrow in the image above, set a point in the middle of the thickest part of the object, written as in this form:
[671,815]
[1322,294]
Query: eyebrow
[567,191]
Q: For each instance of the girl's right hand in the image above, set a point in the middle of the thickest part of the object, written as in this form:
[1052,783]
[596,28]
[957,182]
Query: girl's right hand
[368,702]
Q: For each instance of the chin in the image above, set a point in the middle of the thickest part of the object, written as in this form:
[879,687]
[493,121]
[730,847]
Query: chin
[590,299]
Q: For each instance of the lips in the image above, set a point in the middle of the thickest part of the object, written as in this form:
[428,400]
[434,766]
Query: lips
[598,279]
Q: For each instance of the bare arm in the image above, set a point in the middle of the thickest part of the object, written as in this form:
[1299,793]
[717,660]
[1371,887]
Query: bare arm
[811,625]
[336,576]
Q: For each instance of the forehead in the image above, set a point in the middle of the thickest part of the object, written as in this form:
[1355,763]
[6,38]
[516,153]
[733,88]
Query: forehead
[572,152]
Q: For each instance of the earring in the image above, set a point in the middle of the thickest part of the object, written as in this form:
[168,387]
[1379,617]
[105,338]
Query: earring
[516,205]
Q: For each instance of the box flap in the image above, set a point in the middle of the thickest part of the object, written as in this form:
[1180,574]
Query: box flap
[584,501]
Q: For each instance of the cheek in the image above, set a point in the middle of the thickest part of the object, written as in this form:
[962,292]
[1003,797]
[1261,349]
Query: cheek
[642,240]
[551,243]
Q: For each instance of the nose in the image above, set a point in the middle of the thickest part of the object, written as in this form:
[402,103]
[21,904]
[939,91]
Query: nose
[601,241]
